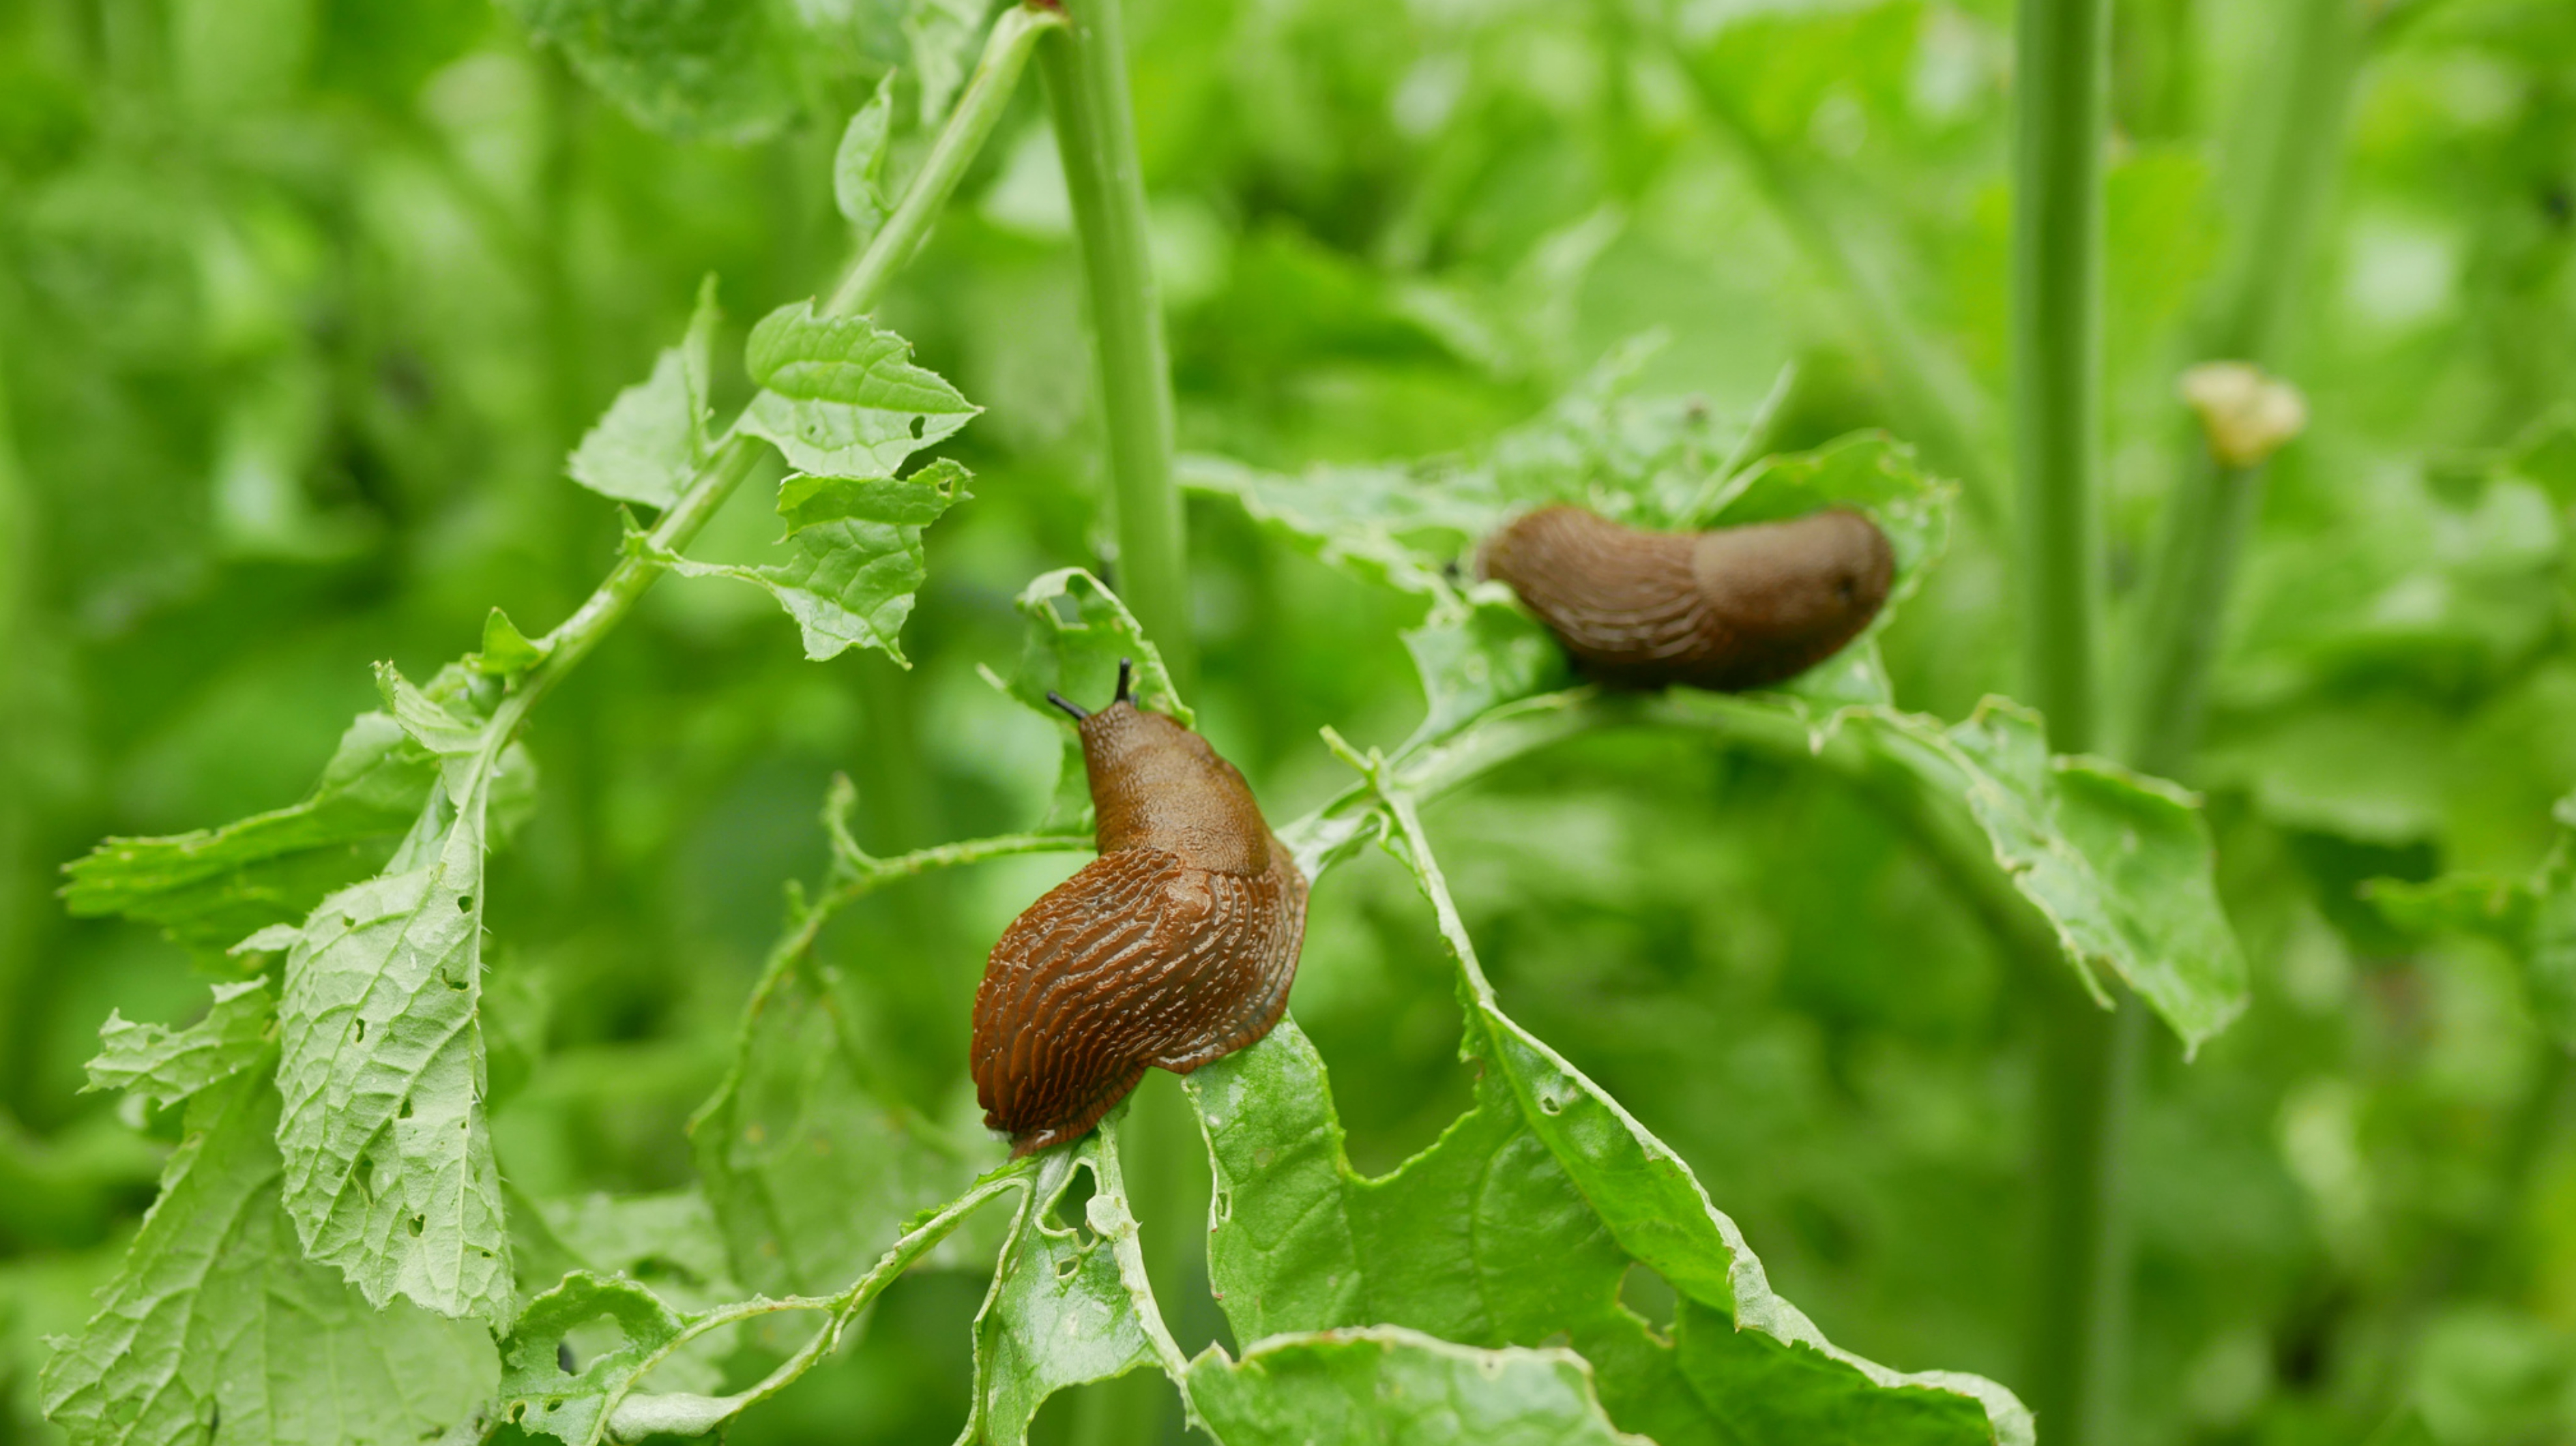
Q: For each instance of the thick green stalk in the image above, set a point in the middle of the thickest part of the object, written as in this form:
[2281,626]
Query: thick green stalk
[2087,1059]
[1085,66]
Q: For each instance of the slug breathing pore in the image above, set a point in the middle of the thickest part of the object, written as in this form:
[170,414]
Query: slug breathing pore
[1176,946]
[1727,610]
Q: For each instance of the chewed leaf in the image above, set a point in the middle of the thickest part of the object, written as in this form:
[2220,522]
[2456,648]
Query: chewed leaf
[389,1172]
[654,436]
[570,1403]
[809,1170]
[218,1330]
[211,888]
[1544,1194]
[1077,632]
[855,560]
[2120,863]
[841,398]
[163,1066]
[1067,1305]
[1476,655]
[1386,1383]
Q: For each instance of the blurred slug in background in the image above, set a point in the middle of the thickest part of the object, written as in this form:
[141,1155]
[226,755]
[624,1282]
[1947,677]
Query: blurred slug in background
[1176,946]
[1729,609]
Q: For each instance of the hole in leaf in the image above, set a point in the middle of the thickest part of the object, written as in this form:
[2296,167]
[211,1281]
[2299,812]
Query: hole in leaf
[1225,1205]
[920,426]
[1071,1213]
[1648,1296]
[563,1358]
[362,1031]
[418,1223]
[408,1105]
[1550,1102]
[465,903]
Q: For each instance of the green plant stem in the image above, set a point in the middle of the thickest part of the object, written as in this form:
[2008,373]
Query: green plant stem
[1006,52]
[1085,68]
[979,108]
[2286,184]
[2087,1064]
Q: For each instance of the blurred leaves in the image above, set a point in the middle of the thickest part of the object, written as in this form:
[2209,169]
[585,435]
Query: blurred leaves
[654,436]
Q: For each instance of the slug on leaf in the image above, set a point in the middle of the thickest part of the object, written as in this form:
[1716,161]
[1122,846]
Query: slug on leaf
[1174,947]
[1735,608]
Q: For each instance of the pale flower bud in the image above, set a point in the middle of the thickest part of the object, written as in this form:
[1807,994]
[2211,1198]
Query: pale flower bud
[2247,415]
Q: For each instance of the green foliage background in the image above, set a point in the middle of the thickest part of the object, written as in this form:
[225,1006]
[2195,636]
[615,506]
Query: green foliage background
[303,304]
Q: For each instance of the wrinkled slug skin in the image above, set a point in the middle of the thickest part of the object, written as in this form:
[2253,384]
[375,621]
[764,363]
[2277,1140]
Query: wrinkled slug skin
[1736,608]
[1174,947]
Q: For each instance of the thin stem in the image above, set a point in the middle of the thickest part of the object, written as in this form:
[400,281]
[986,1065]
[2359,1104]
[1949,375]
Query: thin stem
[1006,52]
[2286,186]
[988,93]
[2087,1073]
[1085,67]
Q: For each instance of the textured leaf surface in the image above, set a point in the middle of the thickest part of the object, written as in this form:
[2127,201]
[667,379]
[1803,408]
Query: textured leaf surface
[2120,863]
[218,1331]
[1069,1302]
[1077,632]
[809,1170]
[644,448]
[211,888]
[543,1397]
[1390,1385]
[163,1066]
[389,1171]
[1518,1228]
[841,398]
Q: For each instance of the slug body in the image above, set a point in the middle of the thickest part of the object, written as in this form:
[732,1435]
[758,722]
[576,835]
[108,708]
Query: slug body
[1735,608]
[1174,947]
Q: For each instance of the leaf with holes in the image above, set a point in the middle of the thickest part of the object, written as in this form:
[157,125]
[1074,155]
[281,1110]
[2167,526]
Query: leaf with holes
[1076,634]
[841,398]
[217,1331]
[389,1172]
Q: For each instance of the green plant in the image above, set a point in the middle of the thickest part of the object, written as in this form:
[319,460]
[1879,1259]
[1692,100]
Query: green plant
[504,1114]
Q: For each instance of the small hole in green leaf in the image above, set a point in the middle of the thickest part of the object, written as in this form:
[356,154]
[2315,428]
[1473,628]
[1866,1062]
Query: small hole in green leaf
[465,903]
[920,427]
[408,1105]
[418,1224]
[362,1031]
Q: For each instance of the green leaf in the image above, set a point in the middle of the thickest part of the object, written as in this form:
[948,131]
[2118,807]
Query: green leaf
[1519,1227]
[212,887]
[1476,655]
[691,69]
[218,1331]
[842,398]
[539,1394]
[849,582]
[2120,863]
[1076,635]
[858,166]
[506,651]
[389,1172]
[163,1066]
[1389,1384]
[653,438]
[2534,919]
[1068,1303]
[918,500]
[809,1167]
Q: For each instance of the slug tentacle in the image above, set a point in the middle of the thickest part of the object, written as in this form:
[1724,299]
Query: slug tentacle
[1736,608]
[1175,947]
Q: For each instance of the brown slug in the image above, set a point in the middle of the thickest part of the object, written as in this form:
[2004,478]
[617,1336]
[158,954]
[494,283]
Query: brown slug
[1174,947]
[1734,608]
